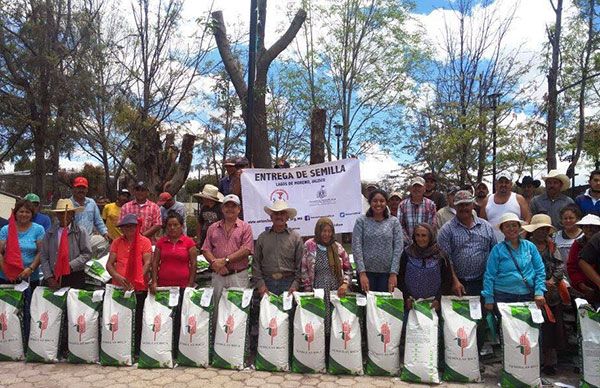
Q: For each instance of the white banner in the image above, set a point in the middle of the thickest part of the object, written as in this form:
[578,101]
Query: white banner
[319,190]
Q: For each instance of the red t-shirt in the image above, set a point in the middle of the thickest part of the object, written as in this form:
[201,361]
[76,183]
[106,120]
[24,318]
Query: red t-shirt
[120,246]
[174,261]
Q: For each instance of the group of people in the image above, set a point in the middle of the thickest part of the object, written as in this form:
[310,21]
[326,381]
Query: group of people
[505,247]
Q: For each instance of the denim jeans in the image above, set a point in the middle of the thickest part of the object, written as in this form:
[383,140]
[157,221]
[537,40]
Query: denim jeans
[378,281]
[277,287]
[506,297]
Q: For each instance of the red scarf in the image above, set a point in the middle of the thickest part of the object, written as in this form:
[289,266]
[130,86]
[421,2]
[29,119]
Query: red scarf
[134,269]
[13,260]
[62,266]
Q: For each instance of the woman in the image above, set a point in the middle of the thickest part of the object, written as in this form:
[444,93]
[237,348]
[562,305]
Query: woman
[564,238]
[325,264]
[175,254]
[515,271]
[30,236]
[538,232]
[425,271]
[395,199]
[78,247]
[209,212]
[131,245]
[590,225]
[377,245]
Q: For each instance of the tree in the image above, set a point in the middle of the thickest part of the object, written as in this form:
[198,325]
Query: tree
[553,73]
[261,156]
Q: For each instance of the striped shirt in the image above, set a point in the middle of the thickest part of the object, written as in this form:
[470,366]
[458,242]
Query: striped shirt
[467,248]
[149,212]
[412,214]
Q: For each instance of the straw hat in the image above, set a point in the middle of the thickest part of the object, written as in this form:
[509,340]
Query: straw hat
[590,219]
[508,217]
[539,221]
[281,205]
[64,205]
[554,174]
[210,192]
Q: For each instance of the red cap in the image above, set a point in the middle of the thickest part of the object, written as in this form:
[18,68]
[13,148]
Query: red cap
[163,198]
[80,181]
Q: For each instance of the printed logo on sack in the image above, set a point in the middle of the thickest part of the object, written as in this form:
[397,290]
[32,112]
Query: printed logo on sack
[346,329]
[322,198]
[43,323]
[272,330]
[228,327]
[80,326]
[191,326]
[156,325]
[3,324]
[279,194]
[113,325]
[385,335]
[322,193]
[461,340]
[309,334]
[524,347]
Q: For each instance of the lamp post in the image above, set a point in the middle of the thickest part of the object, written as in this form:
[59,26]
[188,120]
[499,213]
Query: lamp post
[338,132]
[493,102]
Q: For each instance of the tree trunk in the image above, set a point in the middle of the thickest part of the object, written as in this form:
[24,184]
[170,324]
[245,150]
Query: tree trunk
[554,38]
[317,135]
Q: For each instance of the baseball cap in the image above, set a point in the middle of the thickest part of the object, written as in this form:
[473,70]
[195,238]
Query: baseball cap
[231,198]
[128,219]
[163,198]
[141,185]
[396,194]
[463,196]
[504,175]
[31,197]
[80,182]
[230,162]
[417,181]
[124,191]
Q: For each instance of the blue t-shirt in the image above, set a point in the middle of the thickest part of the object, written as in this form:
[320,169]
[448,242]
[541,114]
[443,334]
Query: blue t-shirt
[27,243]
[43,220]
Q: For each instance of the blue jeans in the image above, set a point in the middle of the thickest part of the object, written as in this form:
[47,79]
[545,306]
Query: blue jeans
[378,281]
[506,297]
[277,287]
[473,287]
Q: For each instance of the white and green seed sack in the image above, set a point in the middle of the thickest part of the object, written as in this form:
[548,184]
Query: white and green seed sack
[118,315]
[96,268]
[11,325]
[421,345]
[589,333]
[47,309]
[156,348]
[273,350]
[83,320]
[309,333]
[195,333]
[520,345]
[385,314]
[460,316]
[231,334]
[345,351]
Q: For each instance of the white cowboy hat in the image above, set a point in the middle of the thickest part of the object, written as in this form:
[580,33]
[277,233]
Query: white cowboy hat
[554,174]
[210,192]
[539,221]
[590,219]
[507,217]
[281,205]
[64,205]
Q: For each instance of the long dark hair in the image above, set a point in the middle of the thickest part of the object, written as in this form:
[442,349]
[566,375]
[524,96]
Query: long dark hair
[386,212]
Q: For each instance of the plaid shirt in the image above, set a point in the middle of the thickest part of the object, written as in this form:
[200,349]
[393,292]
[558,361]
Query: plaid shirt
[411,214]
[149,212]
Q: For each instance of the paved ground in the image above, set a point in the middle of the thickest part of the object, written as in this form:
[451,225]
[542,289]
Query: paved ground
[16,375]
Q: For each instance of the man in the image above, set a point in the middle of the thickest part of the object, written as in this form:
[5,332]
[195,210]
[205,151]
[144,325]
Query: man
[393,203]
[112,213]
[552,200]
[277,253]
[235,183]
[589,262]
[167,203]
[504,201]
[415,209]
[225,182]
[227,246]
[39,218]
[529,185]
[481,194]
[431,192]
[448,212]
[589,202]
[145,209]
[90,218]
[467,240]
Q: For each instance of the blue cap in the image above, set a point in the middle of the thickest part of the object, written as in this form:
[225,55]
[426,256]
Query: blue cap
[129,219]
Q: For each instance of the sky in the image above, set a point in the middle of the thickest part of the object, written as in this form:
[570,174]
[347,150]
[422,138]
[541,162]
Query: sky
[528,29]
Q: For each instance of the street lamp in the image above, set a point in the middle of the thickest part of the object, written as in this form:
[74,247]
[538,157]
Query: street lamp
[493,102]
[338,132]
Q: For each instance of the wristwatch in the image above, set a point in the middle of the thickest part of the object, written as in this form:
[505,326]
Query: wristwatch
[227,260]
